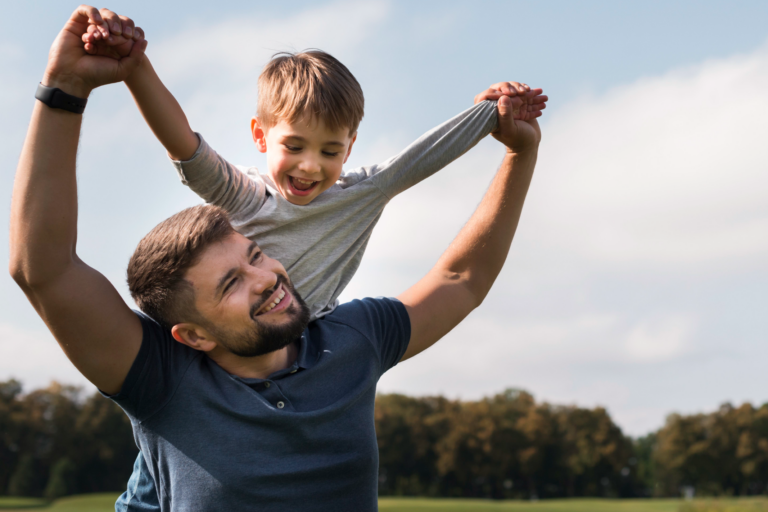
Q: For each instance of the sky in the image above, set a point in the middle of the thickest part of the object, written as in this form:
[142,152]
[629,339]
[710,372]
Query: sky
[638,278]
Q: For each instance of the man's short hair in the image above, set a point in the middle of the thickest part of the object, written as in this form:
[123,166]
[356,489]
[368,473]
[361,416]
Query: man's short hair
[314,82]
[161,260]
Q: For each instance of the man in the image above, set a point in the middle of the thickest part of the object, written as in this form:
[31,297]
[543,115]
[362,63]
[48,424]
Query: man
[236,403]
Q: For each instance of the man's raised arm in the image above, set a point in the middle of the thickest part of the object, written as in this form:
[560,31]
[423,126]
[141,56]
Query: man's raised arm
[89,319]
[462,277]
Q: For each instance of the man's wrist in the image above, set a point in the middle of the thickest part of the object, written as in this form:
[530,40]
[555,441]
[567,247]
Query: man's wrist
[70,85]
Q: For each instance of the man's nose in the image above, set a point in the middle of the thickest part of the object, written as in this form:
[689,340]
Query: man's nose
[261,280]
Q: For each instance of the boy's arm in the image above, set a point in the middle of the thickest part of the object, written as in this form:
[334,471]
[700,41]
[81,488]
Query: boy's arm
[162,112]
[445,143]
[160,109]
[209,175]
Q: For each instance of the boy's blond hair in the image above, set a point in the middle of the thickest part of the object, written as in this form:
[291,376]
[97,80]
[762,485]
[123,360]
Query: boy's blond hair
[314,82]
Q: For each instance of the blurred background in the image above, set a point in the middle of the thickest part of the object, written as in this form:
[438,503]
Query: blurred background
[638,278]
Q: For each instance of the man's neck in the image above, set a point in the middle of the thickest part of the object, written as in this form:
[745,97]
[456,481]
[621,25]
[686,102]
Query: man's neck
[259,367]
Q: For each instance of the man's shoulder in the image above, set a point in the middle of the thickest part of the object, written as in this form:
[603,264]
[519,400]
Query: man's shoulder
[375,318]
[359,311]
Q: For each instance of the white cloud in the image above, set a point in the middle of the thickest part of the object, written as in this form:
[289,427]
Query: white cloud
[660,341]
[669,171]
[237,49]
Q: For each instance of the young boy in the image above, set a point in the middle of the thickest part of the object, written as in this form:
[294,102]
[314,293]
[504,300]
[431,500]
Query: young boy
[306,212]
[314,218]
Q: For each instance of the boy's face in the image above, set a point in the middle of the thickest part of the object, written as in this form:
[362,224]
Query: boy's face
[304,158]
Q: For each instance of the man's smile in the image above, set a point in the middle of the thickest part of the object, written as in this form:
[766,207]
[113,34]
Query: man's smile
[278,301]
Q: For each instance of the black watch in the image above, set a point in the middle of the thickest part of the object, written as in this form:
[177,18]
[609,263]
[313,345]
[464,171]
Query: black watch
[56,98]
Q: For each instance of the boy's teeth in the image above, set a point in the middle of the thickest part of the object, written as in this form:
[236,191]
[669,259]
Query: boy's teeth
[302,184]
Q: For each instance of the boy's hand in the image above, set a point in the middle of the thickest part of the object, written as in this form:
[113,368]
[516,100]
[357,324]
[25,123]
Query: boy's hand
[118,42]
[527,103]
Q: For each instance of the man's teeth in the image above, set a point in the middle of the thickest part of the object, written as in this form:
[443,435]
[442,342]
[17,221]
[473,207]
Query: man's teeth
[275,302]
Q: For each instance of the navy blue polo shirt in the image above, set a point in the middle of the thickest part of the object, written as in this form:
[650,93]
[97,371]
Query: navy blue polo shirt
[301,439]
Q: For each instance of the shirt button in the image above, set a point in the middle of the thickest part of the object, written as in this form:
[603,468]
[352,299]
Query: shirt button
[294,371]
[267,384]
[280,405]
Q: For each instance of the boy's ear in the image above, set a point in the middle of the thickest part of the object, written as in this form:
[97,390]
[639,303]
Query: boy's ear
[349,149]
[259,135]
[193,336]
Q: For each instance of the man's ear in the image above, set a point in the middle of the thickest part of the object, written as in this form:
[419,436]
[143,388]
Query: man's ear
[349,149]
[259,135]
[193,336]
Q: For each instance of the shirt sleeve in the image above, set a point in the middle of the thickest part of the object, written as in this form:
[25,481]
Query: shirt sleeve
[240,191]
[156,372]
[384,322]
[429,153]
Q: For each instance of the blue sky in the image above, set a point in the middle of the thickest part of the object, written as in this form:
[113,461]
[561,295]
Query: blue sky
[638,277]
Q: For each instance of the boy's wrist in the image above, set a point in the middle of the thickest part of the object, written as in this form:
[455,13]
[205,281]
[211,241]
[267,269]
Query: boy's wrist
[138,73]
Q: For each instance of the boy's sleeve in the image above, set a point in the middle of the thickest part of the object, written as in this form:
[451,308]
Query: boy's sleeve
[241,193]
[431,152]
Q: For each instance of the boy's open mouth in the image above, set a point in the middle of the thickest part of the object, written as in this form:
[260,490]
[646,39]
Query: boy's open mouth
[300,186]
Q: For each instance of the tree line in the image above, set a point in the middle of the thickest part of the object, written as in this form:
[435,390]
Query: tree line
[57,441]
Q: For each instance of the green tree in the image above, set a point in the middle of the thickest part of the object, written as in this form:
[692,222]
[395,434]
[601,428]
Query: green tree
[62,479]
[23,480]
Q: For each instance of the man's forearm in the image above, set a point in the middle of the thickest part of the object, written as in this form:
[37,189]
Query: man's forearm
[479,251]
[44,204]
[162,112]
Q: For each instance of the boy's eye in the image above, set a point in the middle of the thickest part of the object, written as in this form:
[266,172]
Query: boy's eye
[330,153]
[292,148]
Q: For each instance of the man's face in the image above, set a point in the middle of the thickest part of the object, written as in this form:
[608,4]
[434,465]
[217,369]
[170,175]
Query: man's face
[246,300]
[304,158]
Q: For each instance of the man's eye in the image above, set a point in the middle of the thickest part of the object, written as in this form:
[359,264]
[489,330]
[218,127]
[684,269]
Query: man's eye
[230,285]
[256,257]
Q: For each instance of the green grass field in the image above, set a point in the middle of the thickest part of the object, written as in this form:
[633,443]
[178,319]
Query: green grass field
[106,503]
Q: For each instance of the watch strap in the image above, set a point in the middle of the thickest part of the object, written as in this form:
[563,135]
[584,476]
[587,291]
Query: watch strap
[56,98]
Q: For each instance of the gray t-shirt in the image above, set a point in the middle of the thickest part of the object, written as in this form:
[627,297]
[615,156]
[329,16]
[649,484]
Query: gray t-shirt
[301,439]
[321,244]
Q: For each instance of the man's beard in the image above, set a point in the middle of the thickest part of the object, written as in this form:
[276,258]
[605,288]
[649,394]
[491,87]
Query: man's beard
[264,338]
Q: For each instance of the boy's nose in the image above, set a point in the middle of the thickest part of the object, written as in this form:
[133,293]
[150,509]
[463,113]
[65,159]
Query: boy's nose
[310,166]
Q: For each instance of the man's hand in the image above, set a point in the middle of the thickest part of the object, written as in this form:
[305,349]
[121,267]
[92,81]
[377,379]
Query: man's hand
[520,136]
[73,70]
[519,106]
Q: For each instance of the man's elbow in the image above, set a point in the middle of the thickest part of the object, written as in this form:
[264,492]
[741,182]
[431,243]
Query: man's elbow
[31,275]
[20,273]
[477,290]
